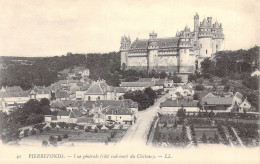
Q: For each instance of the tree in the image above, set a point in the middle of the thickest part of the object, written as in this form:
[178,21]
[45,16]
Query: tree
[44,102]
[216,138]
[204,138]
[123,66]
[199,87]
[44,143]
[195,96]
[151,93]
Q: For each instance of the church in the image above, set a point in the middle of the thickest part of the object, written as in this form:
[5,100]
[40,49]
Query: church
[181,54]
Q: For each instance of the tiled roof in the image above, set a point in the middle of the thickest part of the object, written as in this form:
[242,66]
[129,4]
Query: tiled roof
[85,120]
[84,87]
[14,94]
[239,95]
[57,104]
[68,103]
[162,43]
[41,90]
[210,95]
[217,100]
[89,104]
[125,102]
[120,89]
[61,94]
[179,103]
[75,114]
[63,113]
[160,82]
[137,84]
[118,111]
[98,88]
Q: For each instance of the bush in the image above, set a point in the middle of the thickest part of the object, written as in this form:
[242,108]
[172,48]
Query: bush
[53,125]
[110,127]
[113,134]
[95,130]
[121,127]
[88,129]
[59,138]
[47,128]
[44,143]
[72,125]
[99,126]
[204,138]
[33,132]
[108,139]
[65,136]
[26,131]
[41,130]
[62,124]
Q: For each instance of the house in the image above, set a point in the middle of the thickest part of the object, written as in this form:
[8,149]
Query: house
[121,115]
[61,95]
[40,92]
[81,90]
[255,73]
[120,91]
[216,103]
[84,72]
[210,95]
[133,106]
[237,98]
[172,106]
[158,83]
[64,116]
[245,106]
[10,100]
[135,86]
[99,90]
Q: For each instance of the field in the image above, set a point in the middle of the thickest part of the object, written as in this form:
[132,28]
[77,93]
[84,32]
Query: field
[73,135]
[210,132]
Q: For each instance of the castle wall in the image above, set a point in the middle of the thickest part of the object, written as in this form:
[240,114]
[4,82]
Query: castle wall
[205,47]
[218,45]
[124,57]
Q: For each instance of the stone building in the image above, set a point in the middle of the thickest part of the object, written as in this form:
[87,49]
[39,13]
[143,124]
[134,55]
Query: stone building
[180,54]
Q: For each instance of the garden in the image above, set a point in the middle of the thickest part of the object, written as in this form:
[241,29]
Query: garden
[58,133]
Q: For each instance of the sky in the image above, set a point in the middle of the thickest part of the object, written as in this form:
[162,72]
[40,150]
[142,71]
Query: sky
[55,27]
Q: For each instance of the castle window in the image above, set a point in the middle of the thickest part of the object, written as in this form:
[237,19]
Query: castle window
[200,45]
[206,51]
[216,46]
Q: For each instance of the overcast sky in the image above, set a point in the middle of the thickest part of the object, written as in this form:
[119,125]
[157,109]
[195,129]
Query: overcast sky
[55,27]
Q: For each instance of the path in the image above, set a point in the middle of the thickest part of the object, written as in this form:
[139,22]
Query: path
[137,133]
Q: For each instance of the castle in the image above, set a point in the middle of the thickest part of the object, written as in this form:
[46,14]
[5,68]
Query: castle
[180,54]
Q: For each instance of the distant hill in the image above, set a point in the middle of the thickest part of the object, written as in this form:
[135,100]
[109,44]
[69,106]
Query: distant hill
[29,71]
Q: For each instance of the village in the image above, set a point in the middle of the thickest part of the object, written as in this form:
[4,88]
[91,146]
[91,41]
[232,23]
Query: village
[84,110]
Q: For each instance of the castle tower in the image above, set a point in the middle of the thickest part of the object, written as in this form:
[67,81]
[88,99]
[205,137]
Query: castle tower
[186,56]
[153,51]
[124,48]
[205,38]
[196,26]
[218,37]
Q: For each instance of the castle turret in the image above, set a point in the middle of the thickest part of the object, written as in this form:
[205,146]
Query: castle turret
[124,49]
[153,51]
[186,62]
[218,37]
[205,38]
[196,26]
